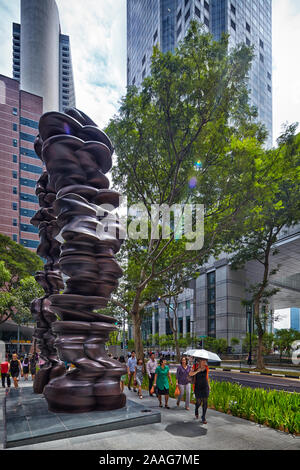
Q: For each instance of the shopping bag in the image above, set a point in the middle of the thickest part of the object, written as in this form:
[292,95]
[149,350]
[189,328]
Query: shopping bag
[177,391]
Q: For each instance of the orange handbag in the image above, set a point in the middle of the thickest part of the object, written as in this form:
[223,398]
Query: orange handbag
[177,391]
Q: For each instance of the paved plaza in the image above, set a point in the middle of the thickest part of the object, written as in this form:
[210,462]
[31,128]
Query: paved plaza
[178,430]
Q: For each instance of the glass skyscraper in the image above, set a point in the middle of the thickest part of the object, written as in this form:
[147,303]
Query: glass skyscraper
[165,22]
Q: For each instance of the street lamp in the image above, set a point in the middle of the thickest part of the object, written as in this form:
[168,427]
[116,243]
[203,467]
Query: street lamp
[193,332]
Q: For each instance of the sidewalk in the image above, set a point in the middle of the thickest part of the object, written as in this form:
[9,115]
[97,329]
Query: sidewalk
[179,430]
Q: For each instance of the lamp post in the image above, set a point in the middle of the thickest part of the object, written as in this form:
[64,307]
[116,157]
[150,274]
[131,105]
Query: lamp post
[193,331]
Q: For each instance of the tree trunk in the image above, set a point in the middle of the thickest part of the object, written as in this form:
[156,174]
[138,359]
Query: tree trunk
[260,358]
[138,344]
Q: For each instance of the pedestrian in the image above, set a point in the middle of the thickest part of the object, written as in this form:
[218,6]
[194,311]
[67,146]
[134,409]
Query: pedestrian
[15,369]
[161,380]
[139,376]
[5,373]
[183,381]
[151,367]
[201,387]
[123,377]
[32,363]
[131,364]
[25,366]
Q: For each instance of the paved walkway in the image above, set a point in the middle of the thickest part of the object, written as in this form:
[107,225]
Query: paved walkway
[179,430]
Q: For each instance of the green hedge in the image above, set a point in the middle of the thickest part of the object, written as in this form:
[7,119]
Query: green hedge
[276,409]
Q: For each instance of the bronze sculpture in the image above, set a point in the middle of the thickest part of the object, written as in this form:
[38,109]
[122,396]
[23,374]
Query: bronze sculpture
[51,281]
[77,154]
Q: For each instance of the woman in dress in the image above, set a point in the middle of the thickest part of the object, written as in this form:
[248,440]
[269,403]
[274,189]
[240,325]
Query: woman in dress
[161,380]
[183,381]
[139,376]
[201,387]
[15,368]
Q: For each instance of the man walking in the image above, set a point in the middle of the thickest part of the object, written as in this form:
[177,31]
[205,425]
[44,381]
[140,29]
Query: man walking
[151,368]
[131,365]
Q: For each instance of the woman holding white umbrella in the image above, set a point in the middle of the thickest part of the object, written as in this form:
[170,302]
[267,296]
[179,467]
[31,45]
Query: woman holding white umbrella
[201,386]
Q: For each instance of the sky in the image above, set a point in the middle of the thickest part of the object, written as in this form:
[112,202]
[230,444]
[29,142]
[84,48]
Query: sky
[97,30]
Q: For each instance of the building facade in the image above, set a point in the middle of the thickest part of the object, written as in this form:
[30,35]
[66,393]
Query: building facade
[42,55]
[20,166]
[165,23]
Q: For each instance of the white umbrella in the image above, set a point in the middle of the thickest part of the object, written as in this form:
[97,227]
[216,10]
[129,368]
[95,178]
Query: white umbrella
[204,354]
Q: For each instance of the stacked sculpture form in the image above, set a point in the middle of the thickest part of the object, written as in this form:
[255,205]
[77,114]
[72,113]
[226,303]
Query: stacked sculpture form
[51,281]
[77,155]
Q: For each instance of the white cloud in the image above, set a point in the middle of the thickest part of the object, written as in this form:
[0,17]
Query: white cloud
[97,30]
[286,64]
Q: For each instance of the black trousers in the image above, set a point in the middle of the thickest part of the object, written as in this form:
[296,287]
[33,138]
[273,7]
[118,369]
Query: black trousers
[151,380]
[204,406]
[3,377]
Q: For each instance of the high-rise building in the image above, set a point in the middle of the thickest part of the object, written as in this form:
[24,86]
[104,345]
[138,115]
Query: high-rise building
[20,167]
[42,55]
[165,22]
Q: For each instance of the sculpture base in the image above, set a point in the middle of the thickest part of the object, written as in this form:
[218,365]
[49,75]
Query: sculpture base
[28,420]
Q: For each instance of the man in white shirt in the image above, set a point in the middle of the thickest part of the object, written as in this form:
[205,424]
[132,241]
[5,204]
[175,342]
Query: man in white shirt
[151,368]
[131,364]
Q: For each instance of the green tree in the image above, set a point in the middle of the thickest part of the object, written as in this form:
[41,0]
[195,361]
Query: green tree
[277,205]
[188,135]
[283,340]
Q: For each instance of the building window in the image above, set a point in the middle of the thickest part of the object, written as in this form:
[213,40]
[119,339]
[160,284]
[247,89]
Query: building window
[15,222]
[186,2]
[15,143]
[15,127]
[144,73]
[206,5]
[269,88]
[15,174]
[188,324]
[27,137]
[15,190]
[248,42]
[144,59]
[261,43]
[269,76]
[29,122]
[15,238]
[14,206]
[179,15]
[187,15]
[206,21]
[15,111]
[155,36]
[179,30]
[188,305]
[248,28]
[233,25]
[261,58]
[15,159]
[197,12]
[232,7]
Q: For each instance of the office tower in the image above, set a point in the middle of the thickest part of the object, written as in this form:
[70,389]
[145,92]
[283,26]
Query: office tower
[41,55]
[20,167]
[295,318]
[166,22]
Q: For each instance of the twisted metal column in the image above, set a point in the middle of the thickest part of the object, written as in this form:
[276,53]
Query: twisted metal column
[77,154]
